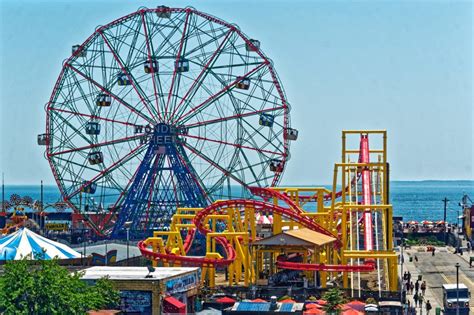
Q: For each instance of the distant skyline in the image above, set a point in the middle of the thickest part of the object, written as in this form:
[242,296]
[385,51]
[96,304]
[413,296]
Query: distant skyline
[403,66]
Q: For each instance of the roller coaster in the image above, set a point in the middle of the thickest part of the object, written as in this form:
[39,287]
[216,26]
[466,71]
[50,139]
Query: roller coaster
[355,217]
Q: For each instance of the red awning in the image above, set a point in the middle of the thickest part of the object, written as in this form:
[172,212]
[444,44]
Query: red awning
[175,302]
[225,300]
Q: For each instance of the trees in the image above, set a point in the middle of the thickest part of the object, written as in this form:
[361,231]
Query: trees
[48,288]
[334,297]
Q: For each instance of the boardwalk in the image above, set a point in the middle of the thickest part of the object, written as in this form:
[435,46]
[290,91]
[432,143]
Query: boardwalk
[437,271]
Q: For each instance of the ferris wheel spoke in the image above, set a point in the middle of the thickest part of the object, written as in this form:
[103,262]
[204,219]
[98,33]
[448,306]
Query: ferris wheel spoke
[232,144]
[256,131]
[112,167]
[115,97]
[92,117]
[202,75]
[236,116]
[76,131]
[149,51]
[216,96]
[178,56]
[129,74]
[98,145]
[252,171]
[211,162]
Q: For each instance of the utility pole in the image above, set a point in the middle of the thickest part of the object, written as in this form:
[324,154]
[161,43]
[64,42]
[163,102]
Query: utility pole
[3,192]
[457,288]
[41,216]
[445,200]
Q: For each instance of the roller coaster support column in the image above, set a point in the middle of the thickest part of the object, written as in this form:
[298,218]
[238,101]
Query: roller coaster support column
[242,255]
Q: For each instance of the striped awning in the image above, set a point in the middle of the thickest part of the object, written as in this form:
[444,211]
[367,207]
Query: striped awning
[25,243]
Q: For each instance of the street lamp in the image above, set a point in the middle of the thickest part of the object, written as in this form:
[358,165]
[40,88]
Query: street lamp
[457,288]
[127,227]
[401,270]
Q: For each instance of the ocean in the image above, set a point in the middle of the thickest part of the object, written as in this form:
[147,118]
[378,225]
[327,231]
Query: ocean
[412,200]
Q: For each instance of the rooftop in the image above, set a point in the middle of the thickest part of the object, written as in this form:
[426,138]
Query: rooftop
[452,286]
[134,273]
[298,237]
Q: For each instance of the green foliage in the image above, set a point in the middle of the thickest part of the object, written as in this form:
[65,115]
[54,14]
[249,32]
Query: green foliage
[334,297]
[425,240]
[50,289]
[284,297]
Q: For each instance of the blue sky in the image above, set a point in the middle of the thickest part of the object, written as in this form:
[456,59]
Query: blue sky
[401,66]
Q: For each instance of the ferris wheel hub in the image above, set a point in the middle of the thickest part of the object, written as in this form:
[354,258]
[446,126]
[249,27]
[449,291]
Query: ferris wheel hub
[163,134]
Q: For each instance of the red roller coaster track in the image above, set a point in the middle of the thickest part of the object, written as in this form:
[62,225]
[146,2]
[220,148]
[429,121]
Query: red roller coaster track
[293,212]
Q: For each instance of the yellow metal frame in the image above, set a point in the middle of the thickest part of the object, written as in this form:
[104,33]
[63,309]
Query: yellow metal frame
[337,216]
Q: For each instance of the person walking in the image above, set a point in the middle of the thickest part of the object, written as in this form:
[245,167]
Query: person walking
[417,286]
[415,299]
[409,276]
[420,300]
[423,287]
[412,286]
[407,285]
[428,307]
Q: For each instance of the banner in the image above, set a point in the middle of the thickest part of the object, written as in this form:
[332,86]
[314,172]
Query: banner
[57,226]
[181,284]
[472,217]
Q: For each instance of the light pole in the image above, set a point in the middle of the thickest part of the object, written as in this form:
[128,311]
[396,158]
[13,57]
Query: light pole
[457,288]
[445,200]
[402,259]
[106,257]
[127,227]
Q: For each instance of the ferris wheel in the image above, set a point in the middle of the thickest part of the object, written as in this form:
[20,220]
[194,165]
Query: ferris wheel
[164,108]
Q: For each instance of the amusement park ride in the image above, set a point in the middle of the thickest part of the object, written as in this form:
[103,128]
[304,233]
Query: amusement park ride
[178,122]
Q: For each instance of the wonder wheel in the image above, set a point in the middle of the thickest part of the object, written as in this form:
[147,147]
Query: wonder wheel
[164,108]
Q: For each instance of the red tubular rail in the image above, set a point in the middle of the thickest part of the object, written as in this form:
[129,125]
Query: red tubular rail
[366,192]
[267,193]
[323,267]
[218,207]
[294,213]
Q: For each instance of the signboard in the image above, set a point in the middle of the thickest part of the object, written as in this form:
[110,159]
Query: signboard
[472,217]
[181,284]
[136,302]
[57,226]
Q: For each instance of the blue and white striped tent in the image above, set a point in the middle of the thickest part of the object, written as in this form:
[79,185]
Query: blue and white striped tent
[25,243]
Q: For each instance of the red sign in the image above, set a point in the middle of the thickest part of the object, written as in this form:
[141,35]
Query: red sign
[472,217]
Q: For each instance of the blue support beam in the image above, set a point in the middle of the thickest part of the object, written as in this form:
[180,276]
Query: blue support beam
[164,181]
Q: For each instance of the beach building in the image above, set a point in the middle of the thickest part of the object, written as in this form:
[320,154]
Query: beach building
[148,290]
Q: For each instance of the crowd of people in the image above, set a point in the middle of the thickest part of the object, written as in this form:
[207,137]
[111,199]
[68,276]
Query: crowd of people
[417,289]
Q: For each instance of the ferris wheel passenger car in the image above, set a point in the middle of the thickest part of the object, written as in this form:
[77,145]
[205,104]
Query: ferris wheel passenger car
[163,12]
[92,128]
[243,83]
[266,120]
[95,158]
[78,51]
[291,134]
[89,187]
[182,65]
[123,80]
[150,66]
[252,45]
[276,166]
[43,139]
[103,100]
